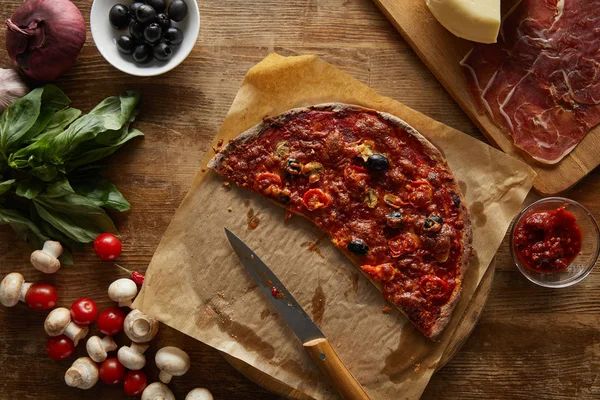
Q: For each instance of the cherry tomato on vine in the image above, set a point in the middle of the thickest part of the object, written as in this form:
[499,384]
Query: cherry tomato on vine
[111,371]
[41,296]
[84,311]
[59,347]
[110,321]
[135,383]
[107,246]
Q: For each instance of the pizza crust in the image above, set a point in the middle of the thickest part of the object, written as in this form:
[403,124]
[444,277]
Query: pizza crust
[256,131]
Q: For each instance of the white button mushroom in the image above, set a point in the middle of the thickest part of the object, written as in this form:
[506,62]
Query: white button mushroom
[46,259]
[157,391]
[171,361]
[139,327]
[98,348]
[58,322]
[83,374]
[199,394]
[122,291]
[132,357]
[13,289]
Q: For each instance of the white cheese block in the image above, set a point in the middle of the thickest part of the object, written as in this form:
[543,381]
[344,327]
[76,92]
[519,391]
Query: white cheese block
[476,20]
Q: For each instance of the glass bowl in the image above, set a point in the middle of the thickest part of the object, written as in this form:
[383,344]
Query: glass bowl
[590,244]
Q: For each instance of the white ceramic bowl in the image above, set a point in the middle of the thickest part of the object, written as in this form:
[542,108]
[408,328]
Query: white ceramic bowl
[105,37]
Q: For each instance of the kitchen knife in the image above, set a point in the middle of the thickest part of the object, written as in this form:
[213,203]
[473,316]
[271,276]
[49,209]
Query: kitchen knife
[307,331]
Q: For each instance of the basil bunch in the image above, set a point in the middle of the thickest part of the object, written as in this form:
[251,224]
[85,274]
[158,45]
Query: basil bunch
[50,187]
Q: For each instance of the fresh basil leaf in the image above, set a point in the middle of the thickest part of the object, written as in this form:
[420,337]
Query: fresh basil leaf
[102,193]
[116,111]
[75,216]
[6,185]
[18,121]
[60,120]
[23,226]
[101,152]
[58,188]
[29,188]
[46,172]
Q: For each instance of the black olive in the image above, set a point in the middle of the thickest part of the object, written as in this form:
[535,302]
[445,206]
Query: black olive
[136,30]
[145,14]
[152,33]
[142,53]
[173,36]
[359,247]
[393,219]
[429,223]
[164,21]
[118,16]
[162,51]
[436,218]
[456,199]
[133,9]
[377,162]
[125,44]
[293,167]
[158,5]
[177,10]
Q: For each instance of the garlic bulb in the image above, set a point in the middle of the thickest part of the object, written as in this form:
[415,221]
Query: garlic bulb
[11,87]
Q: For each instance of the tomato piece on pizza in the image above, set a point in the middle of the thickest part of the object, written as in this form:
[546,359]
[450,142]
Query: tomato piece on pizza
[384,194]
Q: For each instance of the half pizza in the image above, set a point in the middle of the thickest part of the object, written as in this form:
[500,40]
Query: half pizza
[384,194]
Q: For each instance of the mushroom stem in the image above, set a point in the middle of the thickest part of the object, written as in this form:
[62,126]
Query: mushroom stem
[83,374]
[76,332]
[108,343]
[24,290]
[165,377]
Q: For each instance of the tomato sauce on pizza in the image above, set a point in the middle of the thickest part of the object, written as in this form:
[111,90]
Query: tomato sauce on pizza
[380,189]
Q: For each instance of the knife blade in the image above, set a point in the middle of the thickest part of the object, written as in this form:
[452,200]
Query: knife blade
[313,340]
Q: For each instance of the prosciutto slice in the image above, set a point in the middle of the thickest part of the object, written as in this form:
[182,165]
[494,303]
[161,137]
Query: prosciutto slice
[541,81]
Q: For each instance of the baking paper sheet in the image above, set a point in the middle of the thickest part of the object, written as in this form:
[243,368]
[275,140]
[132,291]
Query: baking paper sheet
[196,284]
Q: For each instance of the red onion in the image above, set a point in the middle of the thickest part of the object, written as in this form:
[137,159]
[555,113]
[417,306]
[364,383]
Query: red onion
[45,37]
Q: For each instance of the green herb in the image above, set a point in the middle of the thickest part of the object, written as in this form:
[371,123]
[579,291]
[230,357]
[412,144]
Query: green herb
[49,186]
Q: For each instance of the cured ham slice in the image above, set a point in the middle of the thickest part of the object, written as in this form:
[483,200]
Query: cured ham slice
[541,81]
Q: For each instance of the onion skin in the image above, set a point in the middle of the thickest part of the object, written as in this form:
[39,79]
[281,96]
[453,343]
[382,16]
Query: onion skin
[44,38]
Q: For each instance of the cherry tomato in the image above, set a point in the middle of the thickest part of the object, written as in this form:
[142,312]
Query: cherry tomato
[84,311]
[110,321]
[434,287]
[135,383]
[59,347]
[111,371]
[138,278]
[41,296]
[315,199]
[108,247]
[267,184]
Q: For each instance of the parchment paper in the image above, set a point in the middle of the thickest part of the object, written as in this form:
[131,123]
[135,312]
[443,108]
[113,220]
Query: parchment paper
[196,284]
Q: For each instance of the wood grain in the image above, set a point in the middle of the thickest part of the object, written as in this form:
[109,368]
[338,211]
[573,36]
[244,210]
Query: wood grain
[531,343]
[442,52]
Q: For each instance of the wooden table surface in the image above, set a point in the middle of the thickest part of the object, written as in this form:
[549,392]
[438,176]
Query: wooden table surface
[531,343]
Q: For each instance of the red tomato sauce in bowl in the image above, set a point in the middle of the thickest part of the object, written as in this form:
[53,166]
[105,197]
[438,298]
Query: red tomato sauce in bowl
[547,241]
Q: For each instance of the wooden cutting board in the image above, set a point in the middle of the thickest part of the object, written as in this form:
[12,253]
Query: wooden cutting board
[441,51]
[466,326]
